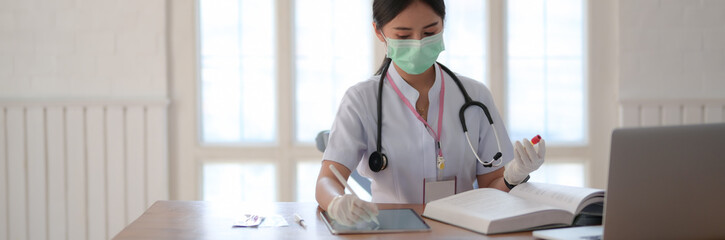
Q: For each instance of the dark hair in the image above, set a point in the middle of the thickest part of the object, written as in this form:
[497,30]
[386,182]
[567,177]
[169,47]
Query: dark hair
[385,10]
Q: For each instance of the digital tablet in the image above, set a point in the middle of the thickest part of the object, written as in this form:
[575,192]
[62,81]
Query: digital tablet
[391,220]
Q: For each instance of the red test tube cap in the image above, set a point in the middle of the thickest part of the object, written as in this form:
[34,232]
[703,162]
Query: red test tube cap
[535,139]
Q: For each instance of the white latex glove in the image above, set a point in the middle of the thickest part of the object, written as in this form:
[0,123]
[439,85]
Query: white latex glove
[526,160]
[349,210]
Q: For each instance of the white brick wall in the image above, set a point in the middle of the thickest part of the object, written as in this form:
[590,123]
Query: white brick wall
[82,48]
[672,49]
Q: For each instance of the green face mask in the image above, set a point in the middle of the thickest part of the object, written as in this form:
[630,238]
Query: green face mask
[415,56]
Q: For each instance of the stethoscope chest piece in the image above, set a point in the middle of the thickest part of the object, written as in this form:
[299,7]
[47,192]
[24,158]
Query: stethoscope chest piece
[377,161]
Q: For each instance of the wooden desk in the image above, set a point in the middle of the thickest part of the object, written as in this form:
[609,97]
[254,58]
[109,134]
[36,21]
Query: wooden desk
[205,220]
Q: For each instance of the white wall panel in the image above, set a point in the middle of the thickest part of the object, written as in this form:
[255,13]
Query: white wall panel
[96,138]
[37,201]
[76,170]
[57,211]
[79,169]
[714,113]
[135,163]
[3,178]
[671,114]
[650,115]
[629,116]
[692,114]
[116,169]
[17,186]
[157,171]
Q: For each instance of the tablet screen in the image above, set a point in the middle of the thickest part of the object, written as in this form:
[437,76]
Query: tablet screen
[391,220]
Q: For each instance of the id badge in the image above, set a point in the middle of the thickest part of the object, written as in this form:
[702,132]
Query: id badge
[434,190]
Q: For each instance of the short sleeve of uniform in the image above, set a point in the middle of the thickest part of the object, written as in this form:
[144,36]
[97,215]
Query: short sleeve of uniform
[487,147]
[347,142]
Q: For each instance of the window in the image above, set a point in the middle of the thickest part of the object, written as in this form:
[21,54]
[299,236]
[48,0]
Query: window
[272,77]
[238,74]
[241,80]
[546,91]
[333,51]
[238,96]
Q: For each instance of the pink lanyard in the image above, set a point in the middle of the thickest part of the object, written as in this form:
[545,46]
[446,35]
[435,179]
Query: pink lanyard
[440,111]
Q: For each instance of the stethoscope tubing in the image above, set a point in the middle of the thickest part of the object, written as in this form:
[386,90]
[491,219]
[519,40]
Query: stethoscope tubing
[467,103]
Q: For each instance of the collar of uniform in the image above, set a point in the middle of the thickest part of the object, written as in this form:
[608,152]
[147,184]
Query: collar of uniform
[411,93]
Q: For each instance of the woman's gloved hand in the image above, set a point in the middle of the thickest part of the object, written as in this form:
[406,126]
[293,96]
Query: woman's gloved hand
[526,160]
[349,210]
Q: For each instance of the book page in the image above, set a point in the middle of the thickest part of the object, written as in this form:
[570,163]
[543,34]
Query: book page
[478,208]
[493,204]
[571,199]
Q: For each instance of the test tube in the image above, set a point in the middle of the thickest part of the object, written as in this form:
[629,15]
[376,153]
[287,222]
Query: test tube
[535,139]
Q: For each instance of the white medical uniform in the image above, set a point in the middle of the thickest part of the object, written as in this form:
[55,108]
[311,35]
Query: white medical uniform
[406,141]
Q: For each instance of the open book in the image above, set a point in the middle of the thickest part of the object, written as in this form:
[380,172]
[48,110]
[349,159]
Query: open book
[528,206]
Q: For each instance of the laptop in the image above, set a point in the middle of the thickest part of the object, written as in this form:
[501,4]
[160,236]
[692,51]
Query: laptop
[664,183]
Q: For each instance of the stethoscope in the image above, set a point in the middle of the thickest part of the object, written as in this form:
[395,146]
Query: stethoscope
[378,161]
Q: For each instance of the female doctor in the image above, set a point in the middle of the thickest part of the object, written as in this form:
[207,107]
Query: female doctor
[421,135]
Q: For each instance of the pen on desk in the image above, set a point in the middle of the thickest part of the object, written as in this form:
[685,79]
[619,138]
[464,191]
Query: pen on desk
[300,221]
[344,183]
